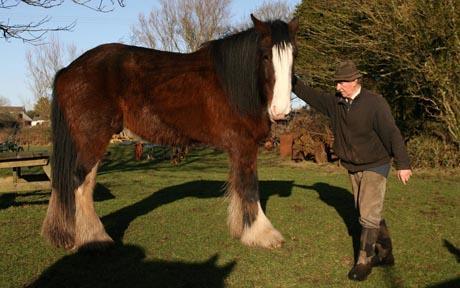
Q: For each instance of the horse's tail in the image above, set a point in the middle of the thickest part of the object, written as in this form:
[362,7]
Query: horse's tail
[59,224]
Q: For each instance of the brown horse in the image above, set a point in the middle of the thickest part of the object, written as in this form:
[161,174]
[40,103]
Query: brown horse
[224,95]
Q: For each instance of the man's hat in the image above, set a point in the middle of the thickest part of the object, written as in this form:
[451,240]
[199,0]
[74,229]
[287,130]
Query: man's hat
[346,71]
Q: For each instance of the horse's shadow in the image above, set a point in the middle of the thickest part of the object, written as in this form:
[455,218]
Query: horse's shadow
[342,201]
[125,266]
[19,199]
[117,222]
[101,193]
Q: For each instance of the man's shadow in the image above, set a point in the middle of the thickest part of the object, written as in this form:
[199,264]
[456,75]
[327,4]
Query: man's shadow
[343,202]
[452,249]
[453,282]
[125,265]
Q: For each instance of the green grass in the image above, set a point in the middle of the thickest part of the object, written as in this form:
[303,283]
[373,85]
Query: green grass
[170,226]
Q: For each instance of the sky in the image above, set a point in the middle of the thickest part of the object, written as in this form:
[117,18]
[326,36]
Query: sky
[92,29]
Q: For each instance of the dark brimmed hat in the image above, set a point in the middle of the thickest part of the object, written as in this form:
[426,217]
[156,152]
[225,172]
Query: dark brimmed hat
[346,71]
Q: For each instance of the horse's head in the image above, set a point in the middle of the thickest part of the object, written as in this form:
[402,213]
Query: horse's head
[276,50]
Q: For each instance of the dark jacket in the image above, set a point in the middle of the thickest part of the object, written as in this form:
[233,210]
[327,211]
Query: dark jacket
[365,133]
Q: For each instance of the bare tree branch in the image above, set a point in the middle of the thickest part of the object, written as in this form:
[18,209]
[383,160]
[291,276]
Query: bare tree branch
[44,61]
[4,101]
[34,31]
[182,25]
[269,10]
[272,10]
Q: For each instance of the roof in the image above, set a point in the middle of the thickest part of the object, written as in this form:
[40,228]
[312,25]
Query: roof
[12,109]
[26,117]
[16,110]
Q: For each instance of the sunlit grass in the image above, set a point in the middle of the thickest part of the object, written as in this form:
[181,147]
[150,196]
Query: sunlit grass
[170,222]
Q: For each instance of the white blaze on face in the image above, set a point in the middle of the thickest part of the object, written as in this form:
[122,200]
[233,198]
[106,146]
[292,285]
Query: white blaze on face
[282,57]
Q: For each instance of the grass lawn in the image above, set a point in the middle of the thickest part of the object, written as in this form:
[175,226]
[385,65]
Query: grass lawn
[169,223]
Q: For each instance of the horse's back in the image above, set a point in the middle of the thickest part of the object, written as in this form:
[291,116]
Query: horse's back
[125,70]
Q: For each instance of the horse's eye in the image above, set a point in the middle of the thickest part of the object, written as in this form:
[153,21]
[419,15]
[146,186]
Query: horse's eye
[266,57]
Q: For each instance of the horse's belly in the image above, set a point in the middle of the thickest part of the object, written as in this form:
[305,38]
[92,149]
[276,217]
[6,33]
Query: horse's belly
[154,131]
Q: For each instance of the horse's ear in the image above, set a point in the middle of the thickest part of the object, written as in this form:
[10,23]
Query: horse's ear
[293,26]
[261,27]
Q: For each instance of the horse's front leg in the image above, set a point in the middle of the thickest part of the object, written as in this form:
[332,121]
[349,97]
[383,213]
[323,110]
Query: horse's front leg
[246,219]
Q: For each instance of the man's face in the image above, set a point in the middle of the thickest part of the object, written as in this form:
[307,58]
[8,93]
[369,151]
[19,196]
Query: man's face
[347,88]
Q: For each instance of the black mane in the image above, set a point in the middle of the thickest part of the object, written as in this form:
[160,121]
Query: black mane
[236,63]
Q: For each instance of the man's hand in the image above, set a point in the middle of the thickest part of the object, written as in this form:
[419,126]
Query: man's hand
[404,175]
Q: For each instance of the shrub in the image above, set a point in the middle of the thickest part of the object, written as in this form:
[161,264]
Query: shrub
[409,48]
[431,152]
[37,135]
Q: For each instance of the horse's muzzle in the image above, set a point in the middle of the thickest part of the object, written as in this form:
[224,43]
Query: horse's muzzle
[276,115]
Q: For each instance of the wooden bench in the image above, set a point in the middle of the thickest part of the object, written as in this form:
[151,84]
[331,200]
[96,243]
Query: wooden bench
[29,182]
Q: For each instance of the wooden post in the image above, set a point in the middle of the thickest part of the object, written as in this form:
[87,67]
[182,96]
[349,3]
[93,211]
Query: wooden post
[16,174]
[286,141]
[138,150]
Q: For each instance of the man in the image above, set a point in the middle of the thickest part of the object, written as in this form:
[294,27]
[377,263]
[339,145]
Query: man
[366,138]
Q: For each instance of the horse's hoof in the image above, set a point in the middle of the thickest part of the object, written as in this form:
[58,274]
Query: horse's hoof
[273,240]
[277,242]
[268,238]
[59,240]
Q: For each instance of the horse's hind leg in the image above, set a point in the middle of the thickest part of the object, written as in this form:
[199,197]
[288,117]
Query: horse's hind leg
[246,219]
[89,231]
[92,144]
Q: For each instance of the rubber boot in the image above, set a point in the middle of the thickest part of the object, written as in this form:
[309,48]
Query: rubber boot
[383,247]
[363,266]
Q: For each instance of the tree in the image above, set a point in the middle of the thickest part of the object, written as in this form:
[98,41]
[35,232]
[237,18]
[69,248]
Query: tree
[42,108]
[4,101]
[409,49]
[43,63]
[267,11]
[272,10]
[33,32]
[182,25]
